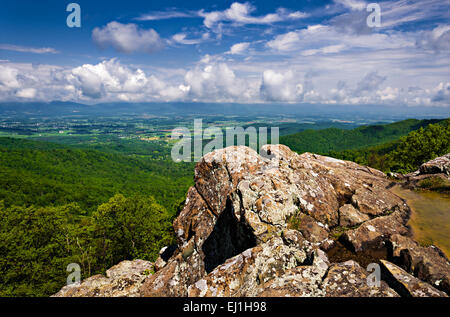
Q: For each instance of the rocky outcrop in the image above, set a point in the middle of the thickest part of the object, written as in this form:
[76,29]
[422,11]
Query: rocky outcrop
[432,175]
[123,279]
[264,225]
[436,166]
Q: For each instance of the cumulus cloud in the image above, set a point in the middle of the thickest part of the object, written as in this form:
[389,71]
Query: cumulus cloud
[442,93]
[8,78]
[127,38]
[369,83]
[277,86]
[215,81]
[27,93]
[211,79]
[110,78]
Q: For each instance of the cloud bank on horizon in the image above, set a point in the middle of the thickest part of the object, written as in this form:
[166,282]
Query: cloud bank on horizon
[320,52]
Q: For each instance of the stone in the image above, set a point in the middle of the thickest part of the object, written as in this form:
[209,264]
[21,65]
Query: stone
[374,233]
[349,216]
[122,280]
[349,279]
[406,284]
[311,230]
[427,263]
[246,273]
[436,166]
[301,281]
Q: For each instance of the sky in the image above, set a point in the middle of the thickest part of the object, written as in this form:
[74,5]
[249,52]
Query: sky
[296,51]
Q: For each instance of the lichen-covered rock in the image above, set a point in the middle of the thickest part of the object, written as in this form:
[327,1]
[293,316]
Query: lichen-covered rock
[312,230]
[248,272]
[432,173]
[427,263]
[349,216]
[436,166]
[301,281]
[406,284]
[242,200]
[349,279]
[122,280]
[374,233]
[257,225]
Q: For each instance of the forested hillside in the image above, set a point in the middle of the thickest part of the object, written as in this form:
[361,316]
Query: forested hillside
[406,154]
[332,139]
[61,205]
[42,174]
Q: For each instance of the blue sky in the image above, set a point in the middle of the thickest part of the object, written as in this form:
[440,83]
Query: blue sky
[320,52]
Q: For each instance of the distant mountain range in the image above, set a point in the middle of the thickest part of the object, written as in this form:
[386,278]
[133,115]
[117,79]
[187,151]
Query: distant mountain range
[375,112]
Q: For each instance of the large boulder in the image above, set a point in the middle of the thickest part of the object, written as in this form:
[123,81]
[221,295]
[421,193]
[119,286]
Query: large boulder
[408,285]
[241,201]
[436,166]
[427,263]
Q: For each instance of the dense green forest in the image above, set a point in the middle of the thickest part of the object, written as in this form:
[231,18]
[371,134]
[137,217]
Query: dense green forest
[38,243]
[61,205]
[406,154]
[42,174]
[333,139]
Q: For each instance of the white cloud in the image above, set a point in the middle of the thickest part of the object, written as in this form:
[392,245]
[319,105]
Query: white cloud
[215,81]
[164,15]
[241,13]
[127,38]
[24,49]
[239,48]
[281,86]
[369,83]
[27,93]
[8,78]
[181,38]
[352,4]
[442,93]
[285,42]
[327,39]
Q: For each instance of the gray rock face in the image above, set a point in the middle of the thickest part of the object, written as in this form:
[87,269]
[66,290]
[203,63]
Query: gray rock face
[407,284]
[259,225]
[436,166]
[122,280]
[349,279]
[436,172]
[349,216]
